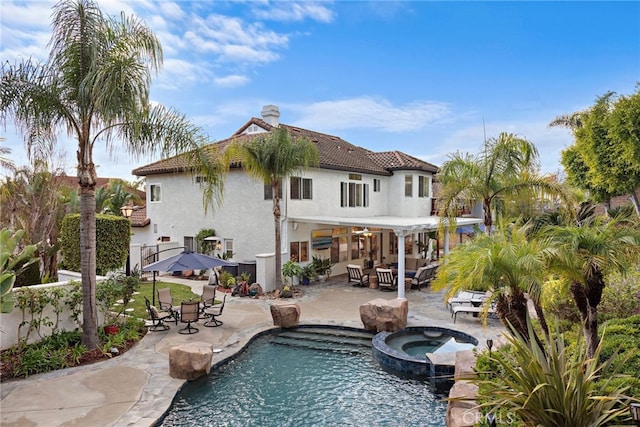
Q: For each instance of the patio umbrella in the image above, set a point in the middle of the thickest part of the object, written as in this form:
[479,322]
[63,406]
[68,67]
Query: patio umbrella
[185,260]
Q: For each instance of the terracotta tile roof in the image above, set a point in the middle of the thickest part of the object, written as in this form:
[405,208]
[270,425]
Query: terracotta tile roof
[139,217]
[334,153]
[394,160]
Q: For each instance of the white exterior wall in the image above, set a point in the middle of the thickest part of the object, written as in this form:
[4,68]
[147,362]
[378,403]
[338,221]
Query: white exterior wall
[401,205]
[244,215]
[142,235]
[247,218]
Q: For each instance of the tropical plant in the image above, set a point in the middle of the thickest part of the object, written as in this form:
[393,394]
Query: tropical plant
[582,255]
[95,86]
[321,265]
[11,257]
[227,280]
[271,158]
[291,269]
[113,296]
[506,168]
[546,385]
[505,262]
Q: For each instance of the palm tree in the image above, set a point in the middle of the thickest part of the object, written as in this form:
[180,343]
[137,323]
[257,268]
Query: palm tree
[582,254]
[505,262]
[505,168]
[95,85]
[271,158]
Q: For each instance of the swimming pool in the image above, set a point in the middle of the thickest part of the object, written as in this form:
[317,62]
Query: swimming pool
[306,377]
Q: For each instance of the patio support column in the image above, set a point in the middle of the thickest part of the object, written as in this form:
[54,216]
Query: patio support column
[400,234]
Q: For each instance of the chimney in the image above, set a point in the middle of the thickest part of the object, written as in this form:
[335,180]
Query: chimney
[271,115]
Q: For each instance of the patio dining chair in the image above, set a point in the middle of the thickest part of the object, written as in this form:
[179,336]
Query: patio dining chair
[165,301]
[387,281]
[207,299]
[157,317]
[356,276]
[214,312]
[189,313]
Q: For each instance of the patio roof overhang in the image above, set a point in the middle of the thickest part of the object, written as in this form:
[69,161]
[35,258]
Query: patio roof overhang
[401,224]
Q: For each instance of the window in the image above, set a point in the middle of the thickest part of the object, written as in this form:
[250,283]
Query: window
[299,251]
[423,186]
[408,185]
[376,185]
[354,194]
[268,191]
[301,188]
[155,193]
[188,243]
[355,176]
[339,249]
[228,248]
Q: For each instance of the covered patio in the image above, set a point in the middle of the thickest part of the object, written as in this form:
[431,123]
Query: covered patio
[401,227]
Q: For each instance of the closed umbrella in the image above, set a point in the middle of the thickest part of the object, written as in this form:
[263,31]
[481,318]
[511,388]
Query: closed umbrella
[185,260]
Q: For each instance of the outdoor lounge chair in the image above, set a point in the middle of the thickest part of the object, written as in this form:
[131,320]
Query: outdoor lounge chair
[467,298]
[473,309]
[157,317]
[423,276]
[387,281]
[214,312]
[207,299]
[165,301]
[189,313]
[356,276]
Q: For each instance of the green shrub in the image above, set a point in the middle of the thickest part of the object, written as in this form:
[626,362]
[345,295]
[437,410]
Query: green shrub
[621,296]
[112,242]
[557,302]
[29,276]
[621,340]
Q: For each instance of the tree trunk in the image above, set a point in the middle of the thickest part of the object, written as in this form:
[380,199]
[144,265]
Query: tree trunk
[593,292]
[488,221]
[512,311]
[276,218]
[580,299]
[542,319]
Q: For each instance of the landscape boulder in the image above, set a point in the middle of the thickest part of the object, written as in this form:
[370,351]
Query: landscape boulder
[285,315]
[190,361]
[384,315]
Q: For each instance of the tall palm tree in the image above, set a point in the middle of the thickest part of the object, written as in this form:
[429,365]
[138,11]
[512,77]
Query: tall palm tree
[507,167]
[271,158]
[505,262]
[582,255]
[95,86]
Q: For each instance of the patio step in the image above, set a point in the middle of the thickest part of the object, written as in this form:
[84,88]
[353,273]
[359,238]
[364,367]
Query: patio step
[326,339]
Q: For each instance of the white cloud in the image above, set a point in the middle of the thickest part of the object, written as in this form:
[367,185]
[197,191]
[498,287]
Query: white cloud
[370,113]
[171,10]
[231,81]
[291,11]
[177,73]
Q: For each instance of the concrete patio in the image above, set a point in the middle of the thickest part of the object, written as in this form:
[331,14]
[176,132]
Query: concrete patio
[135,389]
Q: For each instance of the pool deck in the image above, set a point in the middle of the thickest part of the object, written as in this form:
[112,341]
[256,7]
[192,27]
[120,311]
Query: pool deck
[135,389]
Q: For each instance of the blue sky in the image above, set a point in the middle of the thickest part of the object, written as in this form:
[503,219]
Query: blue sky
[426,78]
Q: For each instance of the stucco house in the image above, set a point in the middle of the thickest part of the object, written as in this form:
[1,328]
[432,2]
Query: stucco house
[357,207]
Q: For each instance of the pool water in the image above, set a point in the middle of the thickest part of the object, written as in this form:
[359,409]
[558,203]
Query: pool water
[418,343]
[306,378]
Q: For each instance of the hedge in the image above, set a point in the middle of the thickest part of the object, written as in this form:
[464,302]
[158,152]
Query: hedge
[112,242]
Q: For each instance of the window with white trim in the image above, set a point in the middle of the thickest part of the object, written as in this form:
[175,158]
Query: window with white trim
[354,194]
[228,248]
[155,193]
[299,251]
[376,185]
[301,188]
[423,186]
[408,185]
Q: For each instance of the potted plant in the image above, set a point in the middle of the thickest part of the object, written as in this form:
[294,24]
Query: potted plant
[227,281]
[322,267]
[308,273]
[291,269]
